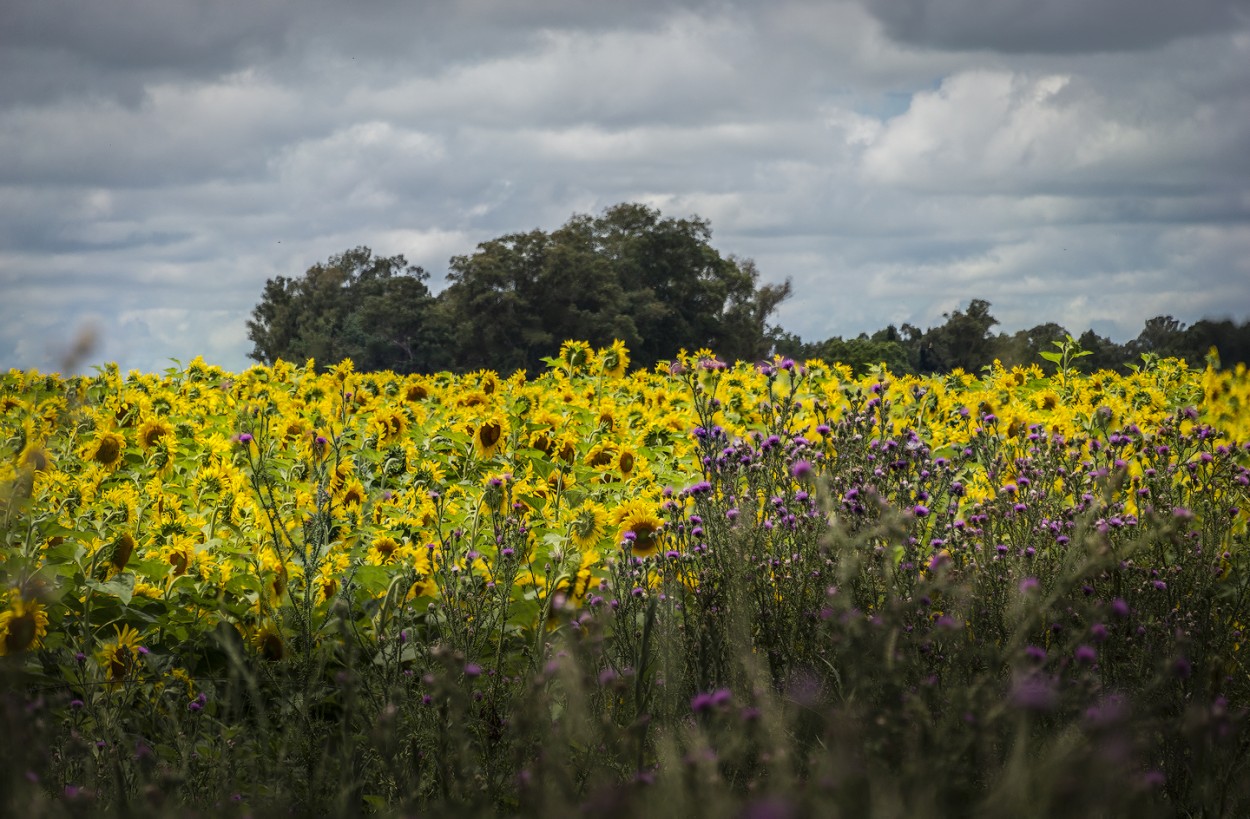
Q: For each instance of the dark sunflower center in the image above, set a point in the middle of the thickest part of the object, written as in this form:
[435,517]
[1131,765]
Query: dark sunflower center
[21,634]
[490,433]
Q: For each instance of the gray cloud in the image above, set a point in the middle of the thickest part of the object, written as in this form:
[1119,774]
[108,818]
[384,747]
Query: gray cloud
[1056,26]
[161,163]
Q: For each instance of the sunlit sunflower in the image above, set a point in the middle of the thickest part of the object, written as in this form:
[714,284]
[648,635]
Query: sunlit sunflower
[472,398]
[1047,400]
[417,389]
[180,554]
[541,440]
[106,449]
[390,424]
[153,430]
[588,525]
[639,527]
[383,549]
[23,625]
[615,359]
[209,480]
[626,461]
[575,354]
[120,656]
[353,494]
[489,435]
[601,455]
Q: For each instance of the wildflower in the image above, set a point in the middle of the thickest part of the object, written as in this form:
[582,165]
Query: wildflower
[801,470]
[1033,692]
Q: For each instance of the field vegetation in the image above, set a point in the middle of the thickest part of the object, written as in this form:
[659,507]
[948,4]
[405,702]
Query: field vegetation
[701,589]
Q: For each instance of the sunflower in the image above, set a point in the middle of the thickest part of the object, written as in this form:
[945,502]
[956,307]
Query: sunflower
[640,527]
[106,449]
[489,435]
[383,549]
[119,656]
[180,554]
[391,424]
[575,354]
[153,430]
[269,643]
[35,457]
[1047,400]
[615,359]
[417,389]
[120,551]
[588,525]
[601,455]
[626,461]
[210,480]
[353,494]
[23,625]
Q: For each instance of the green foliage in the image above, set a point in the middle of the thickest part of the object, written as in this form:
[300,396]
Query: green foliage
[376,311]
[655,283]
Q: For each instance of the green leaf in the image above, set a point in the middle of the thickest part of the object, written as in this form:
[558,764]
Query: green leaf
[121,586]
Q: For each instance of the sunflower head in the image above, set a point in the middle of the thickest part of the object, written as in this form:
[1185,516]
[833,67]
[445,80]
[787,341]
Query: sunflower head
[269,643]
[34,457]
[588,525]
[120,656]
[384,548]
[23,625]
[153,430]
[575,354]
[123,548]
[488,435]
[640,528]
[615,359]
[107,449]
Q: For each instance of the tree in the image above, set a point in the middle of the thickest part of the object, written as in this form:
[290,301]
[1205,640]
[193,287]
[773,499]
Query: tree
[964,340]
[1162,336]
[377,311]
[863,353]
[655,283]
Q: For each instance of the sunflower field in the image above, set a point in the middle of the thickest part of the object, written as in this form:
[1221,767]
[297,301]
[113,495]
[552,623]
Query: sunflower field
[704,590]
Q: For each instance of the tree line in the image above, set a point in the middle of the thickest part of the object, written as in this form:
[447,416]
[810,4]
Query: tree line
[966,341]
[654,282]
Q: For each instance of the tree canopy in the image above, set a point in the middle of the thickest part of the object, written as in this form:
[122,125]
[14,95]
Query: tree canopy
[655,283]
[374,310]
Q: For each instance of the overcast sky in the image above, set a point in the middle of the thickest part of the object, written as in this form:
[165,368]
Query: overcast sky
[1081,161]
